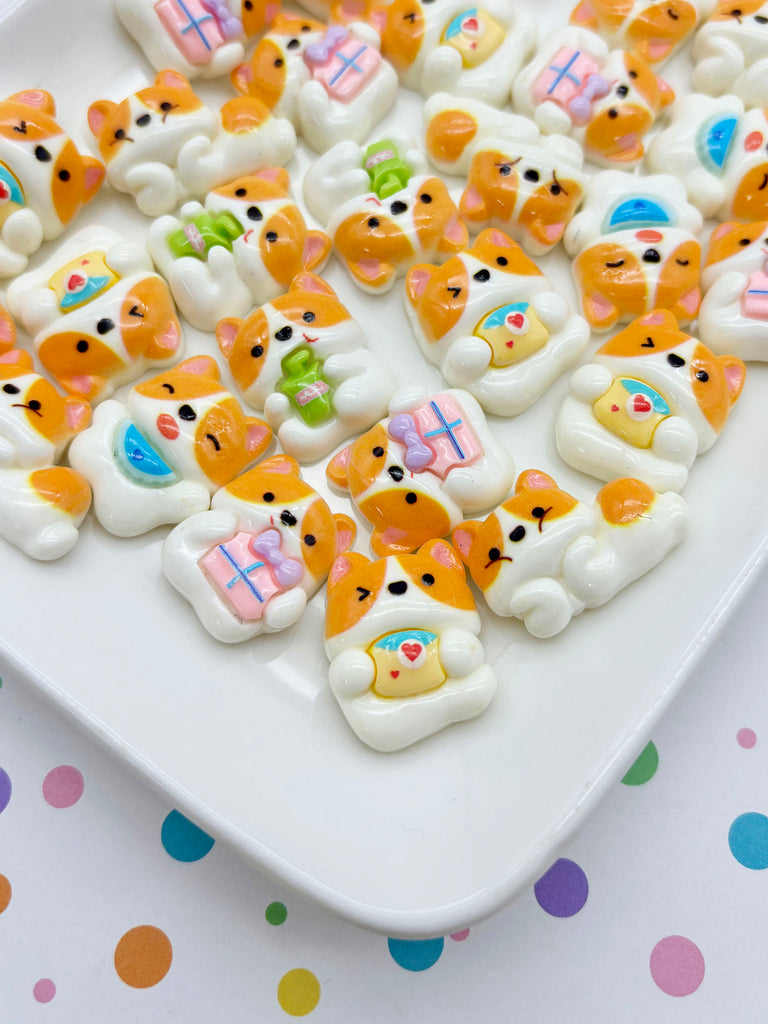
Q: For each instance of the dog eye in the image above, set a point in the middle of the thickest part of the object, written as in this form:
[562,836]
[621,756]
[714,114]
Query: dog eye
[517,534]
[363,592]
[502,261]
[214,441]
[505,169]
[482,275]
[411,498]
[271,236]
[308,317]
[268,496]
[257,351]
[494,554]
[425,197]
[378,451]
[613,113]
[64,175]
[702,375]
[744,241]
[240,192]
[166,105]
[171,389]
[427,579]
[82,345]
[310,540]
[279,62]
[373,222]
[682,263]
[616,263]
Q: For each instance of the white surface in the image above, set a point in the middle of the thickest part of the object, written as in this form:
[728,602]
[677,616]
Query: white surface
[250,743]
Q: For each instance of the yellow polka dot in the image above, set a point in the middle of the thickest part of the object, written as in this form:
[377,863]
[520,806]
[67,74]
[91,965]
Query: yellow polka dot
[298,992]
[143,956]
[5,893]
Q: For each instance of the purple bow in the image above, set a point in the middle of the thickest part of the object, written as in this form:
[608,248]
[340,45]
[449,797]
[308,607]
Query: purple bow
[229,26]
[318,53]
[417,454]
[287,570]
[594,89]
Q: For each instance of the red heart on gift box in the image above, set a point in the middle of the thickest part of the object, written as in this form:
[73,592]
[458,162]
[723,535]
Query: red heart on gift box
[640,404]
[516,321]
[470,24]
[411,651]
[76,281]
[394,672]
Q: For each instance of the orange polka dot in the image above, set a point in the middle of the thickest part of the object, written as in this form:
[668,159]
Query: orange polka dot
[5,893]
[143,956]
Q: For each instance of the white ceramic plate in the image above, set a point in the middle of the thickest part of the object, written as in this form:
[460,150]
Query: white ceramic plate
[248,740]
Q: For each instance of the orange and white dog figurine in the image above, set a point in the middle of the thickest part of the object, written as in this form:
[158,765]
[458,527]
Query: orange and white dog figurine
[240,249]
[41,504]
[379,238]
[635,248]
[418,473]
[251,564]
[730,52]
[654,29]
[443,46]
[98,314]
[44,180]
[162,145]
[159,456]
[544,557]
[606,100]
[490,320]
[401,634]
[652,399]
[304,360]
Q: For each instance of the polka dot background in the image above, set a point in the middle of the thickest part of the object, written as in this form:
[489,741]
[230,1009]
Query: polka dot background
[658,905]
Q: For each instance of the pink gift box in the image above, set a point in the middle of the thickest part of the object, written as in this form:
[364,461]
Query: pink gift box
[192,28]
[755,301]
[565,78]
[343,65]
[443,427]
[242,578]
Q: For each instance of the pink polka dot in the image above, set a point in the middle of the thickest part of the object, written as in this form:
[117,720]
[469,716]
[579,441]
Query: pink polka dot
[44,990]
[677,965]
[460,936]
[746,738]
[63,786]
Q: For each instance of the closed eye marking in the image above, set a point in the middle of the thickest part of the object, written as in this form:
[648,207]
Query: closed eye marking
[363,593]
[135,311]
[171,388]
[763,184]
[617,263]
[455,291]
[215,441]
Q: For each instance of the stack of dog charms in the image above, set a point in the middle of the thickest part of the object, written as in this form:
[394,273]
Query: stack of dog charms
[635,249]
[240,249]
[606,100]
[492,323]
[162,144]
[734,311]
[98,314]
[382,210]
[250,564]
[441,45]
[654,29]
[303,359]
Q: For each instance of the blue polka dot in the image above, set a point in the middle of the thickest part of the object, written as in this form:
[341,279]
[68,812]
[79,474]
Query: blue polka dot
[748,840]
[183,840]
[5,789]
[416,954]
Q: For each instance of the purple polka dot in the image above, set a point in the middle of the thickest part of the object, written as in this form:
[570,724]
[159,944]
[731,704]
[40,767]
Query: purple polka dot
[746,738]
[5,789]
[677,965]
[460,936]
[563,890]
[44,990]
[63,786]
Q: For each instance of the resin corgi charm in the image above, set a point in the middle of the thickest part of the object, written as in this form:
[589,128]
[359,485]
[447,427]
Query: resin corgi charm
[606,100]
[401,634]
[444,46]
[378,238]
[730,52]
[720,153]
[98,314]
[489,319]
[635,248]
[250,564]
[652,399]
[239,250]
[654,29]
[304,360]
[159,456]
[41,504]
[44,180]
[543,556]
[415,475]
[198,38]
[734,311]
[161,145]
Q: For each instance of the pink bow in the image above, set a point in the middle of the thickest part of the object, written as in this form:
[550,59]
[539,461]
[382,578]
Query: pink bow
[318,53]
[229,26]
[287,571]
[417,454]
[594,89]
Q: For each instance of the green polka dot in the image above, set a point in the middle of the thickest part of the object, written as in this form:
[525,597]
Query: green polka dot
[276,913]
[644,767]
